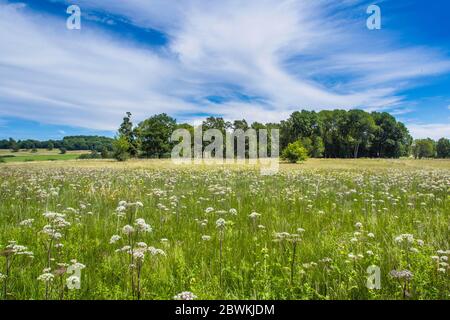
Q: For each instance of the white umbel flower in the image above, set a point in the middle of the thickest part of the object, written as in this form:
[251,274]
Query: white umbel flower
[127,230]
[220,223]
[185,295]
[46,277]
[114,239]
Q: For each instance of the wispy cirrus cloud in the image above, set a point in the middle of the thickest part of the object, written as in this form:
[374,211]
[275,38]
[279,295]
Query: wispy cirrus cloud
[279,55]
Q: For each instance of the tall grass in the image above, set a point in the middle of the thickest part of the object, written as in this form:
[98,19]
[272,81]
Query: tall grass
[316,233]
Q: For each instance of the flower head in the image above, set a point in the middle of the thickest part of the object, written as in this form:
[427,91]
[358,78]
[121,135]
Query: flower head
[185,295]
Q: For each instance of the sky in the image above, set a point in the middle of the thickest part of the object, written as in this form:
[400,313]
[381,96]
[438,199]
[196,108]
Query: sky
[258,60]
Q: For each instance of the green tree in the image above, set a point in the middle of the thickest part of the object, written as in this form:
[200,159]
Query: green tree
[301,124]
[295,152]
[443,148]
[50,146]
[127,131]
[218,123]
[62,150]
[154,135]
[391,139]
[121,147]
[360,128]
[424,148]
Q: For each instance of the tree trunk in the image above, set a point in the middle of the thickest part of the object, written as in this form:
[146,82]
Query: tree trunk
[356,150]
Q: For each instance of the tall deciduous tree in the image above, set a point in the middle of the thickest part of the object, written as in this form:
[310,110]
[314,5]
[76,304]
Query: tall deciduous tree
[424,148]
[127,132]
[443,148]
[155,133]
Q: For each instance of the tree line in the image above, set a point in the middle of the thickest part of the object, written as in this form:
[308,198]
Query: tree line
[93,143]
[324,134]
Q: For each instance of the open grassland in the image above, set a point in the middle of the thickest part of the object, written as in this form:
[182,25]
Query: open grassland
[148,229]
[7,156]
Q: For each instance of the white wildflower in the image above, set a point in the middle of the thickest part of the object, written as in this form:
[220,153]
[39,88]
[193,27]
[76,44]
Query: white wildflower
[185,295]
[154,251]
[142,226]
[114,239]
[206,238]
[127,230]
[73,282]
[209,209]
[254,215]
[220,223]
[26,223]
[46,277]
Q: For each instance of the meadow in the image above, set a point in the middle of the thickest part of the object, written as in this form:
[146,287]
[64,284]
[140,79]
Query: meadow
[39,155]
[147,229]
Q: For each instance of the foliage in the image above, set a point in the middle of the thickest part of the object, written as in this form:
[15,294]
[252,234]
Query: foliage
[105,153]
[69,143]
[121,149]
[92,155]
[344,134]
[295,152]
[424,148]
[127,131]
[443,148]
[154,135]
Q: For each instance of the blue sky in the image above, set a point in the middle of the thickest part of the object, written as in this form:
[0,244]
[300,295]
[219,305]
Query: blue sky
[255,59]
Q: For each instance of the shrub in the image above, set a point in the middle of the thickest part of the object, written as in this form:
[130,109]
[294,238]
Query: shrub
[295,152]
[93,155]
[105,153]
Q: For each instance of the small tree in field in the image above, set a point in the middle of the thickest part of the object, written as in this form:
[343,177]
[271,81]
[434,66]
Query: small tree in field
[121,149]
[295,152]
[105,153]
[62,150]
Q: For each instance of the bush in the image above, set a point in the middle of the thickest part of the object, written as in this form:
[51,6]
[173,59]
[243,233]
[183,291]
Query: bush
[295,152]
[93,155]
[105,153]
[34,150]
[62,150]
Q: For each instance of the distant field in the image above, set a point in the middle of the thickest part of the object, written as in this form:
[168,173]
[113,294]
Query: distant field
[40,155]
[312,164]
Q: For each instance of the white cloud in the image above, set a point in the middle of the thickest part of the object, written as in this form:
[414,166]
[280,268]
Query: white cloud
[434,131]
[276,51]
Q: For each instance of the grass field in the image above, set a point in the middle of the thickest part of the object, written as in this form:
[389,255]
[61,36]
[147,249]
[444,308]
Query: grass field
[40,155]
[147,229]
